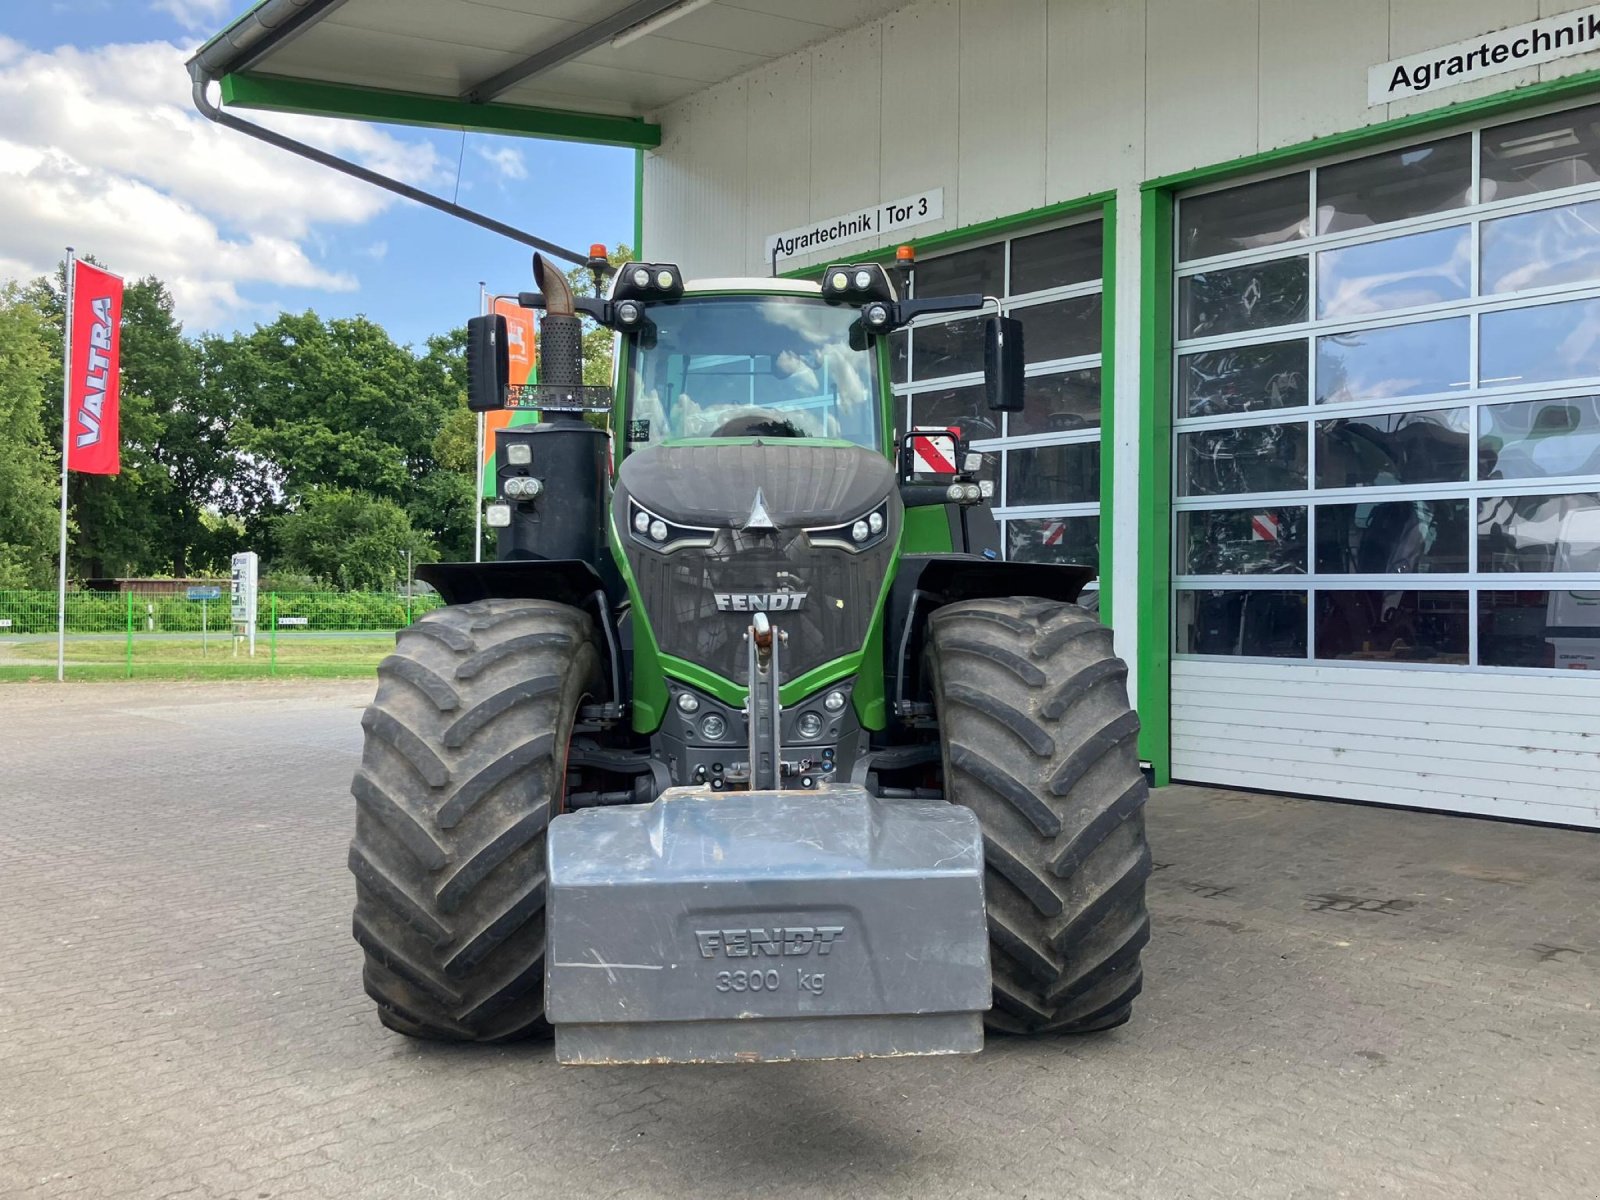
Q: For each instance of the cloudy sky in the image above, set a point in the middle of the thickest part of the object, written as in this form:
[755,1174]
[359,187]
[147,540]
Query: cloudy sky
[101,149]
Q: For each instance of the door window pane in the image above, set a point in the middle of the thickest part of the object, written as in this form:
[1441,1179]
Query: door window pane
[1242,541]
[962,407]
[1257,296]
[1539,439]
[1248,624]
[1548,341]
[1394,448]
[1559,629]
[1397,537]
[947,348]
[1252,458]
[1055,540]
[1401,360]
[1392,626]
[1539,533]
[1558,150]
[1541,249]
[1243,379]
[1394,185]
[899,355]
[1244,218]
[1059,329]
[1056,258]
[981,269]
[1401,272]
[1058,403]
[1054,474]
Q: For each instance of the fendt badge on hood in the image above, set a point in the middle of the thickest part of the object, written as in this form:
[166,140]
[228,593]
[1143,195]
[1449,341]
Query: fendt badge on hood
[759,601]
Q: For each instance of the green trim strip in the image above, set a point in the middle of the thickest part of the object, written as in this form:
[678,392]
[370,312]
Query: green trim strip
[1155,486]
[1155,352]
[1387,131]
[409,108]
[638,202]
[1108,398]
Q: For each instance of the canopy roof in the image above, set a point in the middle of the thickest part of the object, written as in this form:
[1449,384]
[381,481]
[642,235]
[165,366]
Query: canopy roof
[586,70]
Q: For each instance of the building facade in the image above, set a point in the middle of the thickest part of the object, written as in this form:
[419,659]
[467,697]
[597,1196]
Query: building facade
[1311,297]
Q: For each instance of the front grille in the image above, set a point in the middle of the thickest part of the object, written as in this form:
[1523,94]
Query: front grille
[678,592]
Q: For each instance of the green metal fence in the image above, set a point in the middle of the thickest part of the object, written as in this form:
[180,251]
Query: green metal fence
[131,634]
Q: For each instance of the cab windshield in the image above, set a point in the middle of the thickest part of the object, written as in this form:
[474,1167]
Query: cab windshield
[751,366]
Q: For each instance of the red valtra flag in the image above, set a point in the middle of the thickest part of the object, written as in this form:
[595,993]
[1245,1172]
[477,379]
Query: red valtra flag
[94,371]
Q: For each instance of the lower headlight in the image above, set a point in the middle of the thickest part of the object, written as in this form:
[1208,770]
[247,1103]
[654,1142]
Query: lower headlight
[497,516]
[809,725]
[713,727]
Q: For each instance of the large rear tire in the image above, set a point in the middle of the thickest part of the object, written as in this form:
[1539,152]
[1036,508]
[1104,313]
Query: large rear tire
[1038,740]
[462,769]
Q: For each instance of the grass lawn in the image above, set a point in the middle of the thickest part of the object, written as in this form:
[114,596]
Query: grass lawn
[183,657]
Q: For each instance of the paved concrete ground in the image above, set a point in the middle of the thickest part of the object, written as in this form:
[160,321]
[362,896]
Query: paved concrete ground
[1341,1002]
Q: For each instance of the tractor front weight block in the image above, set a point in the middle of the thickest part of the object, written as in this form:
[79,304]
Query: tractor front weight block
[766,926]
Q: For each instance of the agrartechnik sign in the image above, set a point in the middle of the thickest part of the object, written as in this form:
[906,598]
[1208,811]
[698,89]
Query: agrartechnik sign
[1541,41]
[871,224]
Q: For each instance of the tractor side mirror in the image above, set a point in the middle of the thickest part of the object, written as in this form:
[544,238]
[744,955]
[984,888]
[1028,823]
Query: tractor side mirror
[1002,363]
[488,363]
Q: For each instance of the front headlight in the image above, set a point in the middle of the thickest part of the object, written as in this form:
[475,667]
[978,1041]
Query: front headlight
[863,533]
[647,529]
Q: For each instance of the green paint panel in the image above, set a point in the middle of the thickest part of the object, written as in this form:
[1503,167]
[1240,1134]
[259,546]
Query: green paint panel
[410,108]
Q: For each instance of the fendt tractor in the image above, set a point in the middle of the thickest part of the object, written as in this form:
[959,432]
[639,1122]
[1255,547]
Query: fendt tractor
[736,752]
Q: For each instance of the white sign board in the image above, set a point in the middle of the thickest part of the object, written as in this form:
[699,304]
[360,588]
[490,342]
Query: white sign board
[859,225]
[1429,71]
[294,620]
[246,568]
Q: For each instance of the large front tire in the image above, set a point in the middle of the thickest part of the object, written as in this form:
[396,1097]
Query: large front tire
[461,772]
[1038,740]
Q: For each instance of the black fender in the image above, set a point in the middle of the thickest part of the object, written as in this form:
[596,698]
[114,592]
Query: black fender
[927,582]
[568,581]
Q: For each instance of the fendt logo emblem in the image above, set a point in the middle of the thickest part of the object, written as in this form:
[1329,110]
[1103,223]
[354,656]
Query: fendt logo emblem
[749,943]
[759,601]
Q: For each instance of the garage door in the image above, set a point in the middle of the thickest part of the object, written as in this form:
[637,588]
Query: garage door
[1044,460]
[1387,475]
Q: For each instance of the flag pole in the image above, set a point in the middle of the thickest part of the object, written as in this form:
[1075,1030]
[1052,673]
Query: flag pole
[66,431]
[477,491]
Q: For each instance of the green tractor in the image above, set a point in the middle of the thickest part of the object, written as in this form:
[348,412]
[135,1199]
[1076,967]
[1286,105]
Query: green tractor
[736,752]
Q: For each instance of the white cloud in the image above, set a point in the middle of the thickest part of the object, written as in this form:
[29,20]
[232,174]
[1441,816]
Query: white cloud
[197,16]
[102,149]
[507,160]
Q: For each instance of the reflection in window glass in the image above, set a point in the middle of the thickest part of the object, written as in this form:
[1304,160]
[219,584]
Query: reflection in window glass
[1054,474]
[1548,341]
[1539,439]
[1388,449]
[1257,296]
[1243,379]
[1513,628]
[1242,541]
[1397,537]
[899,354]
[1058,403]
[1252,458]
[1401,272]
[1541,249]
[947,348]
[981,269]
[1400,360]
[1055,540]
[1244,218]
[962,407]
[1060,329]
[1245,624]
[1056,258]
[1541,154]
[1394,185]
[1392,626]
[1539,533]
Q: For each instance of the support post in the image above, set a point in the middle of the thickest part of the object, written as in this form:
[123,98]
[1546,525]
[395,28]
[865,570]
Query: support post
[129,595]
[272,666]
[66,430]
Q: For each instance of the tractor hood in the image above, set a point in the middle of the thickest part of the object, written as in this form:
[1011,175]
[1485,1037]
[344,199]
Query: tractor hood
[802,484]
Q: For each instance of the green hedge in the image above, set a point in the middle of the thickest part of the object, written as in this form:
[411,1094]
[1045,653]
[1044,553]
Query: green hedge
[34,613]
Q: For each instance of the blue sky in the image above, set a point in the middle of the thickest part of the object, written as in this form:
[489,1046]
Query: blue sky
[100,148]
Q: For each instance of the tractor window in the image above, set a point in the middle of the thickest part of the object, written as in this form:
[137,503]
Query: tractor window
[751,366]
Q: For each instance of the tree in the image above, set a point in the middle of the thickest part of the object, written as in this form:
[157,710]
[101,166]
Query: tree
[349,539]
[28,469]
